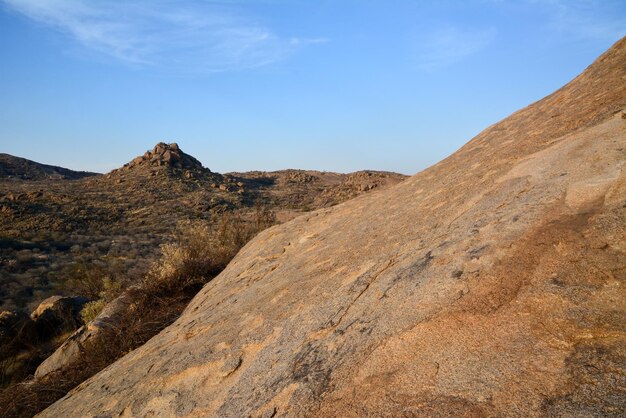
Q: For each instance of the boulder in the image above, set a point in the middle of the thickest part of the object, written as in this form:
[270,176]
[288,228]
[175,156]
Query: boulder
[16,328]
[71,351]
[58,314]
[160,148]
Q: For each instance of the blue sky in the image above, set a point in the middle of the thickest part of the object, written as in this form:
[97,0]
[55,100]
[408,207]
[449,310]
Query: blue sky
[337,85]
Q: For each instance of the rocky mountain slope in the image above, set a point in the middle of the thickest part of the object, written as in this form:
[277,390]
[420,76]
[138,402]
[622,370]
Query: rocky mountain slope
[491,284]
[119,220]
[20,168]
[308,189]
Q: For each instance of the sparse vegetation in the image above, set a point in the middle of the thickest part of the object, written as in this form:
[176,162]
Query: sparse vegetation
[56,230]
[93,281]
[198,255]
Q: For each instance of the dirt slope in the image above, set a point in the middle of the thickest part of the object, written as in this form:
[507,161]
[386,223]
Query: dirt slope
[492,284]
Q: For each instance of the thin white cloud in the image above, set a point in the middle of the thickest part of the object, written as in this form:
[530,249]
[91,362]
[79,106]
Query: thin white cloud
[449,45]
[183,36]
[585,19]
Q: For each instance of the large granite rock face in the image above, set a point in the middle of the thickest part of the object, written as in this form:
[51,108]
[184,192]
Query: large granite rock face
[491,284]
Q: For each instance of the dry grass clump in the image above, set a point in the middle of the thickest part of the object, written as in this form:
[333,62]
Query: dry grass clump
[199,254]
[194,256]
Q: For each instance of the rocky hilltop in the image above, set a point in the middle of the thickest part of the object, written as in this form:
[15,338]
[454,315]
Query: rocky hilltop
[164,156]
[491,284]
[12,167]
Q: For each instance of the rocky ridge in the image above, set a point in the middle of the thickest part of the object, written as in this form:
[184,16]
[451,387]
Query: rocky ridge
[491,284]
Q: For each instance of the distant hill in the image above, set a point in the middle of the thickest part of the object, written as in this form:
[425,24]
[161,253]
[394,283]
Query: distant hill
[164,158]
[311,188]
[122,217]
[23,169]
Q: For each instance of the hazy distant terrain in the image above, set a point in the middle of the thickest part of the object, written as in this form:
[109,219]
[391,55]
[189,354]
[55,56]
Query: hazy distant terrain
[20,168]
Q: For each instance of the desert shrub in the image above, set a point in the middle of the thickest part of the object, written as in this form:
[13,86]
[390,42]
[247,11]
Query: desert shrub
[263,218]
[93,281]
[233,231]
[91,310]
[18,367]
[84,279]
[193,257]
[8,367]
[110,290]
[201,250]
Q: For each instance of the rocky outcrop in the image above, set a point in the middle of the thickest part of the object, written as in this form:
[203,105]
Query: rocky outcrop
[166,155]
[297,176]
[307,189]
[138,206]
[491,284]
[166,159]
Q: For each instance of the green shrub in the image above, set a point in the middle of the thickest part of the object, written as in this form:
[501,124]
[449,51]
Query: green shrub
[91,310]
